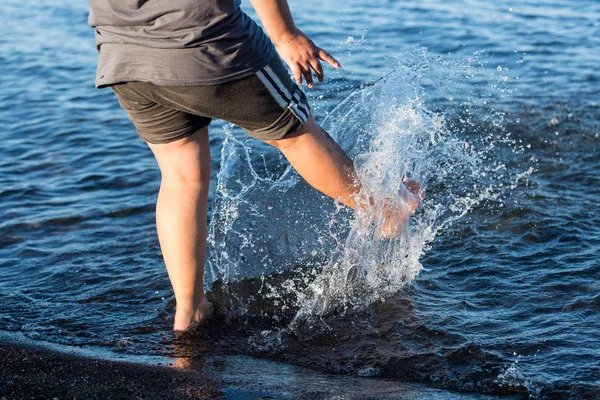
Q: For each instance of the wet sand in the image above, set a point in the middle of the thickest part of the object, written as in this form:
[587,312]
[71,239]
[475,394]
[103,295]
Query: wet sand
[28,371]
[35,371]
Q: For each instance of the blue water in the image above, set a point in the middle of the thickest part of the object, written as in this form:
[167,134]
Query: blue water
[501,293]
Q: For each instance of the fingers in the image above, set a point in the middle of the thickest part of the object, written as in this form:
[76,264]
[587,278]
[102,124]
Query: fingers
[328,58]
[300,71]
[303,67]
[297,71]
[306,71]
[316,65]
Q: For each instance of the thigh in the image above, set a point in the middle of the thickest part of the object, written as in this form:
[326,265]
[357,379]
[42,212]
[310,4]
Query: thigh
[186,160]
[154,122]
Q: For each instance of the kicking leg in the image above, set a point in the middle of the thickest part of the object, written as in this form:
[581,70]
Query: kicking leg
[181,222]
[320,161]
[326,167]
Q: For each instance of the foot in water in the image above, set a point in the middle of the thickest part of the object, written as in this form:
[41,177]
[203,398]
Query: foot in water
[188,321]
[395,214]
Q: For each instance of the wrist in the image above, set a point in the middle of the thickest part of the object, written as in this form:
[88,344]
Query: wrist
[287,36]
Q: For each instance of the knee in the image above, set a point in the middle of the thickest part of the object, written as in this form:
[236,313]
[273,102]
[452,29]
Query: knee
[283,143]
[189,179]
[294,137]
[272,142]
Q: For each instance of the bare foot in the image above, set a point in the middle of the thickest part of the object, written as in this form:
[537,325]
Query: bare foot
[395,214]
[187,321]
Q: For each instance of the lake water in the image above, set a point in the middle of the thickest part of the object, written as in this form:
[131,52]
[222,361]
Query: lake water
[493,289]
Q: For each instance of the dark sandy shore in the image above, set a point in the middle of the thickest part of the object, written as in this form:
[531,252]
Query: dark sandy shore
[32,372]
[29,370]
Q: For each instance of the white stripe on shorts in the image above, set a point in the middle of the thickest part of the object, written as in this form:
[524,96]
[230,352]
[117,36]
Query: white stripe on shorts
[265,81]
[299,108]
[277,81]
[303,105]
[282,94]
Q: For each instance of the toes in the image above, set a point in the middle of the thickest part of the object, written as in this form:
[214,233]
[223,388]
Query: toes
[411,185]
[414,187]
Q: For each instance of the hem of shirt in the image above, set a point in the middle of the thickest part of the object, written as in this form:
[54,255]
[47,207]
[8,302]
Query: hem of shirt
[113,80]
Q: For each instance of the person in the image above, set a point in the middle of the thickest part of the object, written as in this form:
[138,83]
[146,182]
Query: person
[173,66]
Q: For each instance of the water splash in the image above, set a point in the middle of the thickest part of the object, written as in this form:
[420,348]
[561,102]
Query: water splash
[512,378]
[266,223]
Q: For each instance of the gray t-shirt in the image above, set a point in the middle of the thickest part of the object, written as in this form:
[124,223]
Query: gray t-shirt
[176,42]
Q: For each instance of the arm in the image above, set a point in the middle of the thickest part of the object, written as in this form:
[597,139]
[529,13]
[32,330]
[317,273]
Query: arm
[294,47]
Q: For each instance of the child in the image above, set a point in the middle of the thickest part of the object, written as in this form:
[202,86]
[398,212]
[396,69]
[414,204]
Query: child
[173,66]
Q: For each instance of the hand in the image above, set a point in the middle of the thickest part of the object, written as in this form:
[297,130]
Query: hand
[302,55]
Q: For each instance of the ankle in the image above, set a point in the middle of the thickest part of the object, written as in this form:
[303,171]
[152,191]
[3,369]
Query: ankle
[188,306]
[187,318]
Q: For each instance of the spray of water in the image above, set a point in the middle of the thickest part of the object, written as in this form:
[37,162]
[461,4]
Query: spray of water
[265,224]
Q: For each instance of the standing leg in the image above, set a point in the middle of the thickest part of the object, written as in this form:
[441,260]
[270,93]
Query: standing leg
[181,222]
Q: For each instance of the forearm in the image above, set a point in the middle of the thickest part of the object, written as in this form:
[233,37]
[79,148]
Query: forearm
[276,18]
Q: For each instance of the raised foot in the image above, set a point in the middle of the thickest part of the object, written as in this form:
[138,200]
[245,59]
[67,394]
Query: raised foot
[188,321]
[395,214]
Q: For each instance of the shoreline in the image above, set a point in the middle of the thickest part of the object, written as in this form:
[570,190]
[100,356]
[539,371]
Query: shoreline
[30,370]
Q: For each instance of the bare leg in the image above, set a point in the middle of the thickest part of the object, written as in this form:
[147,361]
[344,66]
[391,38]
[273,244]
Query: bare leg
[320,161]
[326,167]
[181,222]
[393,214]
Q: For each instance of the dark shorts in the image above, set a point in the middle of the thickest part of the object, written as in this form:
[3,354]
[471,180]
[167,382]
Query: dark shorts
[267,105]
